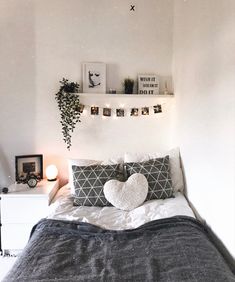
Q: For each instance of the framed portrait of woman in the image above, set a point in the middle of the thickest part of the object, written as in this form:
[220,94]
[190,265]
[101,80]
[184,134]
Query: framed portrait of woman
[94,77]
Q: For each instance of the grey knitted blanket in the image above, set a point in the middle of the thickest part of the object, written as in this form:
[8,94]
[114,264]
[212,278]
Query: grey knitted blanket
[173,249]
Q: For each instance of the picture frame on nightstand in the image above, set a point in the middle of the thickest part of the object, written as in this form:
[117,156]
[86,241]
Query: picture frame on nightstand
[26,165]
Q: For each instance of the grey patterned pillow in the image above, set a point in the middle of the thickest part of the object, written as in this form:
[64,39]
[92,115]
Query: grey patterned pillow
[89,181]
[157,172]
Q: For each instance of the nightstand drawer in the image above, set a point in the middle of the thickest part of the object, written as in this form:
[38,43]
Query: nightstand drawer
[23,210]
[15,236]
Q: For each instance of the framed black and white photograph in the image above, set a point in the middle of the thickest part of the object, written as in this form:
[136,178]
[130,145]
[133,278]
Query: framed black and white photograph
[107,112]
[80,108]
[157,109]
[134,112]
[94,111]
[94,77]
[145,111]
[120,112]
[27,165]
[148,84]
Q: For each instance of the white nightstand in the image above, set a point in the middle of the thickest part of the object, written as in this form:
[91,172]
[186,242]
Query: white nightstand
[20,211]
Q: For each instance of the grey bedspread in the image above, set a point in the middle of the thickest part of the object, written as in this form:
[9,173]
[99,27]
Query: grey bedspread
[174,249]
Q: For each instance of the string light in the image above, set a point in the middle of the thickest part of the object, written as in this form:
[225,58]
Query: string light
[122,111]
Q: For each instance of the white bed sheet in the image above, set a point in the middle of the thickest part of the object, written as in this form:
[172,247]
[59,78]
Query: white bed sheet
[112,218]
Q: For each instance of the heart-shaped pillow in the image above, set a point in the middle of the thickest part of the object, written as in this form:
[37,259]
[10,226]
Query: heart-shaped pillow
[127,195]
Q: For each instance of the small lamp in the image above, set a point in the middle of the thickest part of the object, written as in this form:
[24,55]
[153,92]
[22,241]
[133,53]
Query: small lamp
[51,172]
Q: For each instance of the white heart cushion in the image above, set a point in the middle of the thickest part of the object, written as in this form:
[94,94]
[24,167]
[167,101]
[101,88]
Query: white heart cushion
[127,195]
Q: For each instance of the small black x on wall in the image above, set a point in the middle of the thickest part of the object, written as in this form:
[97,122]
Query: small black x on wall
[132,8]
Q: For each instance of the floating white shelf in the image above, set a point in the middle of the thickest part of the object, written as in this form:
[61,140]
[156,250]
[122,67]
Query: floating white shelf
[107,95]
[124,100]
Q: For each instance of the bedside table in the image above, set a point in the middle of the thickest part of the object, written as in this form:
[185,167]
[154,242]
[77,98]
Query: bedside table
[20,211]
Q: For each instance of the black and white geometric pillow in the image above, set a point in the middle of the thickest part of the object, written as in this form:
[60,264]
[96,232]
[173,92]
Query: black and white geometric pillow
[89,181]
[157,172]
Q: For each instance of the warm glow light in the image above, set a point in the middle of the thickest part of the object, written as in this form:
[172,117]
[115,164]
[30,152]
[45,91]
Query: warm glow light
[51,172]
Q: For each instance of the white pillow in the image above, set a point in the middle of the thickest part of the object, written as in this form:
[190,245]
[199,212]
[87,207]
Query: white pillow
[175,167]
[127,195]
[87,162]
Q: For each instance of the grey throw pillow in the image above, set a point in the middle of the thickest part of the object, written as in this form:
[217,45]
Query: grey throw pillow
[89,181]
[157,172]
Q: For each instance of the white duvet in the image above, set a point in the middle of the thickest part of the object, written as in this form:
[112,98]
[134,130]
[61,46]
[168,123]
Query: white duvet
[112,218]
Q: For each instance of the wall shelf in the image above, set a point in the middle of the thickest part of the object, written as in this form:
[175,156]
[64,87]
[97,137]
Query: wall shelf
[107,95]
[123,100]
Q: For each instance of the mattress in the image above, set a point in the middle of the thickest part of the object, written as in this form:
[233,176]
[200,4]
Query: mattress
[112,218]
[158,241]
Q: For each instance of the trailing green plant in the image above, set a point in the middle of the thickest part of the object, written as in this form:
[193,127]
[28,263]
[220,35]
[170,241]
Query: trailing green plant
[69,106]
[128,85]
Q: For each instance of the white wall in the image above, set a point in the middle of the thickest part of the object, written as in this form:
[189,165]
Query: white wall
[204,67]
[44,41]
[17,83]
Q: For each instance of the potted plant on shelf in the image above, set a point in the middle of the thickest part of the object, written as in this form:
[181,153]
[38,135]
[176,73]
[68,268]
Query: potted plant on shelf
[69,106]
[128,85]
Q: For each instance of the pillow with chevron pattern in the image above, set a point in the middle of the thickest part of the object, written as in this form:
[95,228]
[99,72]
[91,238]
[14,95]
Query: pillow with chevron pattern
[157,173]
[89,182]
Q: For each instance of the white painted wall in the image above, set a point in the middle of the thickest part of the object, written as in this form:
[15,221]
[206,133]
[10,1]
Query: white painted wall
[17,83]
[204,68]
[44,41]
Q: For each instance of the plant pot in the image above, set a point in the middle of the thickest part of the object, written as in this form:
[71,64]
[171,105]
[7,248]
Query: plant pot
[129,89]
[128,85]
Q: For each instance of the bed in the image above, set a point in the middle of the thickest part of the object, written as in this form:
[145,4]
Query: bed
[159,240]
